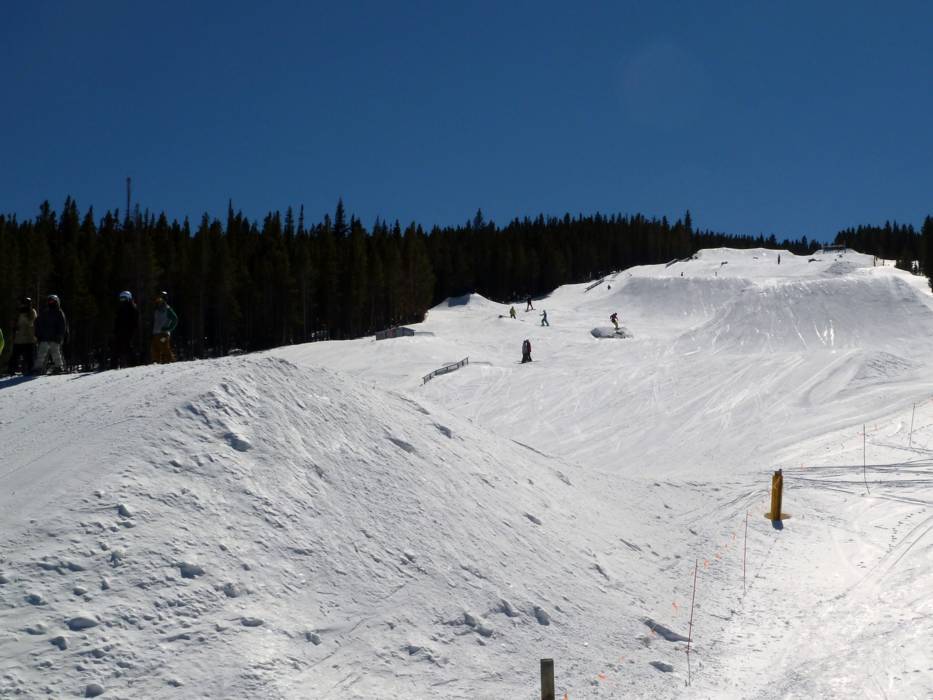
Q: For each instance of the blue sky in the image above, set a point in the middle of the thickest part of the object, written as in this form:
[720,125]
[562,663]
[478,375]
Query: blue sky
[793,118]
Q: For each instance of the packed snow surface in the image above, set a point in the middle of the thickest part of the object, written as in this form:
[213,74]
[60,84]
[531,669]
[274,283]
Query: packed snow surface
[319,521]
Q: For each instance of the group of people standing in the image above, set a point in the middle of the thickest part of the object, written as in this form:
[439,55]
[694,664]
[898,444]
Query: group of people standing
[39,336]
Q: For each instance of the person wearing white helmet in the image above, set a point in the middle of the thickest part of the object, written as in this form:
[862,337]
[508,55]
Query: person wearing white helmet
[51,331]
[125,327]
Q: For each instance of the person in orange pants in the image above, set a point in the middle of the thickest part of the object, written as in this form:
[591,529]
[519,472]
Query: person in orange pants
[164,321]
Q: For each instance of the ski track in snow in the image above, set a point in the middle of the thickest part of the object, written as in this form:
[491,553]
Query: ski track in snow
[313,522]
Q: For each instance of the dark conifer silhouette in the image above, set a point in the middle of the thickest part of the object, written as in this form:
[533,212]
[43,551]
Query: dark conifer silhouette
[241,286]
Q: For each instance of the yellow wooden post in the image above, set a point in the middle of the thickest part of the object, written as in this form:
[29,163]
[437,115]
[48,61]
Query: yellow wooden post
[777,493]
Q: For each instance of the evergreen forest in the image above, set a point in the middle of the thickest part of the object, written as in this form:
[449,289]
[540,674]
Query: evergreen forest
[240,285]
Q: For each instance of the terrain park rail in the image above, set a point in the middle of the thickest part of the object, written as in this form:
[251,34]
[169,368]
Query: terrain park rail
[452,367]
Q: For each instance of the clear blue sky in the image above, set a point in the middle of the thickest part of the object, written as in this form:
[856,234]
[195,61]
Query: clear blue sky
[796,118]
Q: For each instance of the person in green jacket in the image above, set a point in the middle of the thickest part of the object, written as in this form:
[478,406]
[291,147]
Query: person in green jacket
[164,321]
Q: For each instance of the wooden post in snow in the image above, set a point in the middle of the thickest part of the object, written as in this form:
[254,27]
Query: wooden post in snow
[547,679]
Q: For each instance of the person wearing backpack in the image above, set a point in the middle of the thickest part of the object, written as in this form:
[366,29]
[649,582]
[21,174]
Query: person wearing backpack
[526,351]
[164,321]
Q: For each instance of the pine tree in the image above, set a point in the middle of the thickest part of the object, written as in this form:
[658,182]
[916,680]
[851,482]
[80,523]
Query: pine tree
[926,259]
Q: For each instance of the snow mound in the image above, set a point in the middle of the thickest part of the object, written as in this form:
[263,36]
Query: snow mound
[257,507]
[611,332]
[850,312]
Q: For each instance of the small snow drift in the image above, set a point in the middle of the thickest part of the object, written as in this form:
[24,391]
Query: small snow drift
[609,332]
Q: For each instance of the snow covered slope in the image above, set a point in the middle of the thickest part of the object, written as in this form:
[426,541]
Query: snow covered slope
[316,522]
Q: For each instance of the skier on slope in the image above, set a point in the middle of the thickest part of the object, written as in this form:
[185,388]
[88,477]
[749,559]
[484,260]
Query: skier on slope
[512,311]
[544,319]
[615,319]
[125,326]
[526,351]
[51,331]
[529,306]
[164,320]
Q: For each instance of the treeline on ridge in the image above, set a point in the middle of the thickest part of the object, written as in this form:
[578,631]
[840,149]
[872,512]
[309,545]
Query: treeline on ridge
[241,285]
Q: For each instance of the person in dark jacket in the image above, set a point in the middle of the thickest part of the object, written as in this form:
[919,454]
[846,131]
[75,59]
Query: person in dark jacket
[125,326]
[526,351]
[51,332]
[164,320]
[23,338]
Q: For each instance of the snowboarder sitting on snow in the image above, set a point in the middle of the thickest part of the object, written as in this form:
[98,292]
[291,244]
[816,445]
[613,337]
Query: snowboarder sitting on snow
[544,319]
[615,319]
[512,311]
[164,320]
[51,331]
[526,351]
[528,305]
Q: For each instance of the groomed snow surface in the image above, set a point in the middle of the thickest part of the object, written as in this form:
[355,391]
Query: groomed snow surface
[316,522]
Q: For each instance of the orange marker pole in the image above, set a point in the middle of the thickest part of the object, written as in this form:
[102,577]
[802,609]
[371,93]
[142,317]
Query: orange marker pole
[696,568]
